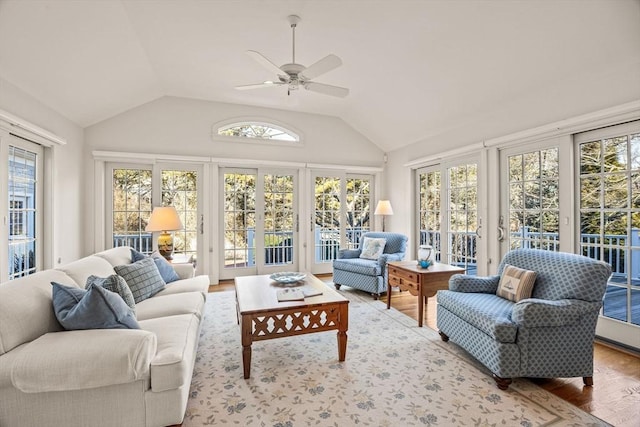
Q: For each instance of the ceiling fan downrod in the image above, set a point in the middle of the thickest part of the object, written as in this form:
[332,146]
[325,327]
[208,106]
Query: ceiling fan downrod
[293,20]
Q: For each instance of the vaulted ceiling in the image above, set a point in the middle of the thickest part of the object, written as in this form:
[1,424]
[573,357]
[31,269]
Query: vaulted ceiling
[414,68]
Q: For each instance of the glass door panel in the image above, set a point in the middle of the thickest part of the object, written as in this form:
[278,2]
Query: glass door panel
[462,213]
[180,190]
[609,194]
[342,212]
[239,221]
[326,225]
[534,202]
[131,190]
[429,187]
[280,219]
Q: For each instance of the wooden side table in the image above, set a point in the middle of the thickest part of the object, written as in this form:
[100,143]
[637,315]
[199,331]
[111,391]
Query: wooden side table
[422,282]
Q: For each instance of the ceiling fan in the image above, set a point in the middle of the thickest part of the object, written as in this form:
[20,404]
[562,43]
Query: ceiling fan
[295,75]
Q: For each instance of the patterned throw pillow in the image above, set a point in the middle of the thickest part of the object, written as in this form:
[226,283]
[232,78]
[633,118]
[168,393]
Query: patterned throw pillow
[143,278]
[372,248]
[114,283]
[516,283]
[93,308]
[166,270]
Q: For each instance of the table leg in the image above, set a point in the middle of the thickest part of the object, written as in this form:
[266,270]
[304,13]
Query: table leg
[388,297]
[343,326]
[420,307]
[247,333]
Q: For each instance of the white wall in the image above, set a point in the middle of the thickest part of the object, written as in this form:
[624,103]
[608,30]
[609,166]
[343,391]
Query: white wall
[180,126]
[68,170]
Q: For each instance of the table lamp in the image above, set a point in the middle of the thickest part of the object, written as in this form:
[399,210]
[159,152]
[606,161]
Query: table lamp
[164,219]
[383,208]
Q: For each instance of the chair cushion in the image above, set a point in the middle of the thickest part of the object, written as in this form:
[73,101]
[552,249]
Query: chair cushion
[487,312]
[516,283]
[358,265]
[372,248]
[94,308]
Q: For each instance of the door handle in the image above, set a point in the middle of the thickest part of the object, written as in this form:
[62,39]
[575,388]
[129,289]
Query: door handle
[501,229]
[201,223]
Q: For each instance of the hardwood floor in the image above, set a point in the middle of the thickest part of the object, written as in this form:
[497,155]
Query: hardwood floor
[614,397]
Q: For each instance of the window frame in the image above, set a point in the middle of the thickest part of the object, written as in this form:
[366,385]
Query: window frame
[260,121]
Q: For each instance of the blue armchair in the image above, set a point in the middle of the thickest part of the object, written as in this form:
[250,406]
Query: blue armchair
[366,274]
[549,335]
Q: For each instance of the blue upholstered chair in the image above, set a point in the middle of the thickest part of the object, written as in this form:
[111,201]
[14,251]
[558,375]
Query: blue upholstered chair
[549,335]
[366,274]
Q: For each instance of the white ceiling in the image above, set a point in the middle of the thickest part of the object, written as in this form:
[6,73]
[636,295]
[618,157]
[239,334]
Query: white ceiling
[414,68]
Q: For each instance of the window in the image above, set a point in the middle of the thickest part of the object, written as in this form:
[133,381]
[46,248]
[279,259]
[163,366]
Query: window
[24,183]
[258,130]
[131,208]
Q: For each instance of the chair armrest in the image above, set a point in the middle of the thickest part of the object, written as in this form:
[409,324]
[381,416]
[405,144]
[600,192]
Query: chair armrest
[536,313]
[474,284]
[385,258]
[349,253]
[78,360]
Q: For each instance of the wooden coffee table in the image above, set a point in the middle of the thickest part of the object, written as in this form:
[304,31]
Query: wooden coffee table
[422,282]
[262,317]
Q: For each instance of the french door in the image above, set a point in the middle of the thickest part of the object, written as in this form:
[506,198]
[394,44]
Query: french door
[608,187]
[133,191]
[341,213]
[21,205]
[530,213]
[448,212]
[260,221]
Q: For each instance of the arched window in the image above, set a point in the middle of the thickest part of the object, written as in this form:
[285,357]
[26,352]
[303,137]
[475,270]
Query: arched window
[258,130]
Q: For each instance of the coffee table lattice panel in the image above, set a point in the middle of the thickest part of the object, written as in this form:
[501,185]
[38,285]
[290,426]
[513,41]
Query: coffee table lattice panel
[295,322]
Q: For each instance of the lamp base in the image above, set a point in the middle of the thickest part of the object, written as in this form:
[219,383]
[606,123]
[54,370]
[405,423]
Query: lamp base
[165,245]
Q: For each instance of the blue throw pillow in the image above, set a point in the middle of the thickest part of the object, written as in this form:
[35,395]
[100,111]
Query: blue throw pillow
[114,283]
[142,277]
[166,270]
[93,308]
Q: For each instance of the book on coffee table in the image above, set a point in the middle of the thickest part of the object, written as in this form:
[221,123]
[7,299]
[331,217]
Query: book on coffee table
[290,295]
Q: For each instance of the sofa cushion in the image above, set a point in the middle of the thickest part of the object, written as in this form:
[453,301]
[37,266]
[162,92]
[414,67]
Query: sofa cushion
[26,311]
[358,265]
[79,360]
[195,284]
[114,283]
[516,283]
[487,312]
[93,308]
[143,278]
[166,270]
[372,248]
[81,269]
[116,256]
[171,305]
[173,364]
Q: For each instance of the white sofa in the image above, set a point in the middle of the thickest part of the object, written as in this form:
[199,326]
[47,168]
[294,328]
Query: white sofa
[100,377]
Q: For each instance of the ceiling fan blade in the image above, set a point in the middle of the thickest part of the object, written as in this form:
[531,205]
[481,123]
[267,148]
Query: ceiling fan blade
[262,60]
[327,89]
[324,65]
[259,85]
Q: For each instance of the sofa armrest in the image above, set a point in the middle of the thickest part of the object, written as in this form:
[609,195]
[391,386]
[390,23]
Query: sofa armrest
[78,360]
[464,283]
[536,313]
[184,270]
[349,253]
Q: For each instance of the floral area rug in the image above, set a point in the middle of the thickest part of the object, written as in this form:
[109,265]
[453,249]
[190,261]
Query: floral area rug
[395,374]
